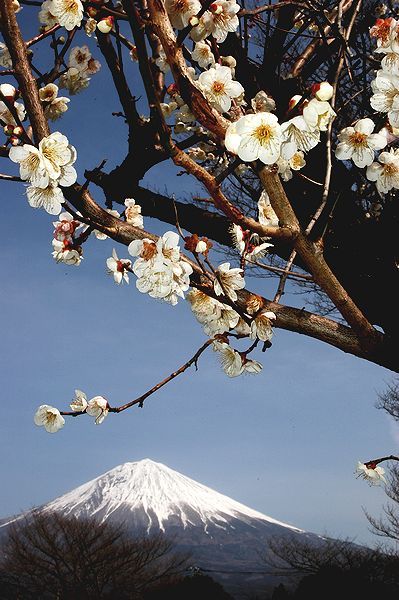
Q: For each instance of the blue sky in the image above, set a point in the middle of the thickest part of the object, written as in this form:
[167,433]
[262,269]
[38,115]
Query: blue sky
[284,442]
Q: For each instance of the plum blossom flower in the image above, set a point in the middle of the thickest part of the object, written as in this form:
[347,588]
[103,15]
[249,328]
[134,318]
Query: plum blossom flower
[215,317]
[133,213]
[49,417]
[65,227]
[54,106]
[50,198]
[318,114]
[5,58]
[261,326]
[159,268]
[79,402]
[255,136]
[79,58]
[51,162]
[219,88]
[68,13]
[74,81]
[181,11]
[295,163]
[385,98]
[248,244]
[118,268]
[359,143]
[203,55]
[385,172]
[98,407]
[297,135]
[65,252]
[222,19]
[266,214]
[162,62]
[228,281]
[252,367]
[46,16]
[230,360]
[261,102]
[6,115]
[371,473]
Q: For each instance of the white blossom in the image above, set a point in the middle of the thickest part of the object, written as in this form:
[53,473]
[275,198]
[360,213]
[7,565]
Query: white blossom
[5,58]
[97,407]
[297,135]
[49,417]
[222,19]
[46,16]
[255,136]
[180,11]
[228,281]
[203,55]
[359,143]
[263,103]
[64,252]
[162,62]
[133,213]
[50,198]
[69,13]
[118,268]
[266,214]
[252,367]
[374,476]
[385,172]
[230,360]
[160,271]
[385,98]
[261,326]
[295,163]
[79,58]
[79,403]
[318,114]
[6,115]
[74,81]
[219,88]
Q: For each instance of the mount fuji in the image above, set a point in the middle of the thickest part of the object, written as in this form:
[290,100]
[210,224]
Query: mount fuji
[222,535]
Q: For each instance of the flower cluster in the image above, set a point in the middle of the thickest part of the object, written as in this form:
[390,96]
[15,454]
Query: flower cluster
[218,21]
[54,105]
[81,65]
[46,167]
[52,420]
[67,13]
[359,142]
[161,272]
[259,135]
[235,363]
[65,248]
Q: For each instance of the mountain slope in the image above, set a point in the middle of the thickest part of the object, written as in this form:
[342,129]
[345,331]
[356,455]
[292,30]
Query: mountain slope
[222,535]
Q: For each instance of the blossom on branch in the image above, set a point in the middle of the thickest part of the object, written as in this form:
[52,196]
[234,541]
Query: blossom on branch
[65,252]
[181,11]
[219,88]
[228,280]
[79,403]
[133,213]
[222,19]
[385,172]
[68,13]
[118,268]
[371,473]
[97,407]
[359,143]
[203,55]
[385,98]
[49,198]
[255,136]
[49,417]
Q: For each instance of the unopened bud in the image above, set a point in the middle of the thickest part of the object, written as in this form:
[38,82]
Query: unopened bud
[8,91]
[323,91]
[105,25]
[61,40]
[8,129]
[91,11]
[18,131]
[194,21]
[216,8]
[294,101]
[14,140]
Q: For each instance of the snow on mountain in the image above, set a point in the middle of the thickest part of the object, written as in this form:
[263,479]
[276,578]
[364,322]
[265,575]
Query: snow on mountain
[223,536]
[164,495]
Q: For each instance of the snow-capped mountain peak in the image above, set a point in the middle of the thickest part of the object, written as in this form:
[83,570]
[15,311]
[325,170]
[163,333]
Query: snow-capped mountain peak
[161,495]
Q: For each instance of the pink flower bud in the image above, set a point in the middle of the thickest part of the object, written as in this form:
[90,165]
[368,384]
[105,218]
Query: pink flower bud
[105,25]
